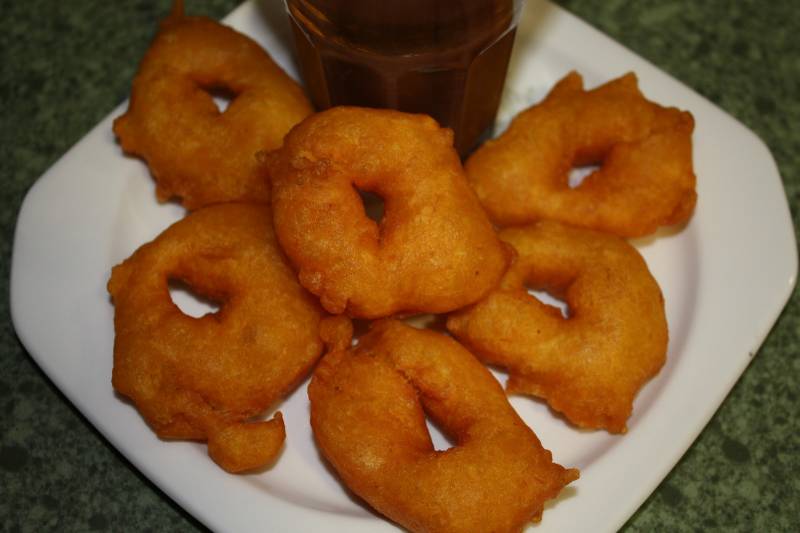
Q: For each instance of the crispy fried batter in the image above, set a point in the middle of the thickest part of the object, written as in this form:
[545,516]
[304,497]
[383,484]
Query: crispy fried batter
[645,179]
[367,415]
[590,365]
[434,249]
[194,151]
[205,378]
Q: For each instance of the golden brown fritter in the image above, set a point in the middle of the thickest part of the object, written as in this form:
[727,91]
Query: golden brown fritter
[590,365]
[645,179]
[194,151]
[368,407]
[433,251]
[206,378]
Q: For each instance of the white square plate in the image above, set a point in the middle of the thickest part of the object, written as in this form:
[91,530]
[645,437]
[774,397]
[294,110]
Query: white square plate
[725,277]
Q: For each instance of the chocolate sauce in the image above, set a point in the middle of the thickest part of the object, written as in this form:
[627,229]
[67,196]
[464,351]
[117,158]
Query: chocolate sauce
[445,58]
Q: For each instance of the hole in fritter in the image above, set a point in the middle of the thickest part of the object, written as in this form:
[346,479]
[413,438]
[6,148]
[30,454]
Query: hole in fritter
[222,97]
[548,299]
[190,302]
[578,174]
[441,441]
[373,206]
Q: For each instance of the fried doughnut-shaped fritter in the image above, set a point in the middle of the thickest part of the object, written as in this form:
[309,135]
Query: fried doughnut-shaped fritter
[194,151]
[590,365]
[368,407]
[645,179]
[206,378]
[434,249]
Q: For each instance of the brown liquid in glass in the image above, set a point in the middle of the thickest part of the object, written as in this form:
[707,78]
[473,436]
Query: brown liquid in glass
[445,58]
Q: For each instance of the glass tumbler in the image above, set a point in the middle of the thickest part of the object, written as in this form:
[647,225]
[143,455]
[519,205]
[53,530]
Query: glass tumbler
[444,58]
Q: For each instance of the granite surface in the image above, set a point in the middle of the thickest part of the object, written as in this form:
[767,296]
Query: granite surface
[64,65]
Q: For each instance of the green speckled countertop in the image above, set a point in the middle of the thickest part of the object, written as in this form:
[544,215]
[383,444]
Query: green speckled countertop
[65,65]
